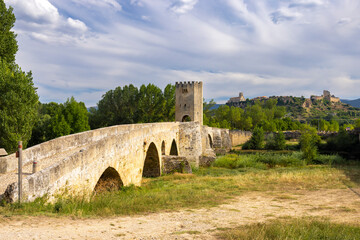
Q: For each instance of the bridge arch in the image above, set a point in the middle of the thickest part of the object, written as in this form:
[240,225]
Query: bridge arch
[174,149]
[109,181]
[186,118]
[211,145]
[152,162]
[163,148]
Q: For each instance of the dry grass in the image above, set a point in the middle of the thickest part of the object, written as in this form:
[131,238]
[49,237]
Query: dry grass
[292,228]
[205,188]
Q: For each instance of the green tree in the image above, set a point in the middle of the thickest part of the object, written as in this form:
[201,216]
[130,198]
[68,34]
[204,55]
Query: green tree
[8,43]
[76,115]
[56,120]
[169,96]
[275,141]
[357,123]
[257,139]
[309,142]
[18,106]
[129,105]
[235,116]
[151,104]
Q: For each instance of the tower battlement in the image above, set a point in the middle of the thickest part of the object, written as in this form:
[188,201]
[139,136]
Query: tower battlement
[185,84]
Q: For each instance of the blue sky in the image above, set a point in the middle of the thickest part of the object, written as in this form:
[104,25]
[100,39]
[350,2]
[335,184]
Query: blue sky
[83,48]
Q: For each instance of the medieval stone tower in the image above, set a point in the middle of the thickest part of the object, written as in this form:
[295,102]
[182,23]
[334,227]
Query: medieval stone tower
[189,102]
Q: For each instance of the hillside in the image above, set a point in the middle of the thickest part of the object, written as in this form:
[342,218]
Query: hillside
[354,103]
[303,109]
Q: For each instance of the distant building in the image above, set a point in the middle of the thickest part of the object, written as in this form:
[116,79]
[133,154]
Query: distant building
[327,96]
[240,98]
[239,101]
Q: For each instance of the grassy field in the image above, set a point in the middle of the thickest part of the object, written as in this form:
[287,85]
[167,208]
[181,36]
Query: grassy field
[230,176]
[294,229]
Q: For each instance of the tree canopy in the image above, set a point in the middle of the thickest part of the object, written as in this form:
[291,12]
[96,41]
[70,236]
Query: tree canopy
[129,105]
[8,43]
[56,120]
[18,97]
[18,105]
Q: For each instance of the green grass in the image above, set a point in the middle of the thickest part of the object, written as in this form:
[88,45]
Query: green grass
[207,187]
[295,229]
[271,160]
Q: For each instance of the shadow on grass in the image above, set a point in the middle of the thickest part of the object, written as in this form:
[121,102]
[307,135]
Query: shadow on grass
[352,172]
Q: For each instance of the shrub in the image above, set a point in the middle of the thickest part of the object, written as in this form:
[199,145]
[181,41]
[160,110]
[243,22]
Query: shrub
[275,141]
[260,161]
[256,141]
[329,159]
[309,142]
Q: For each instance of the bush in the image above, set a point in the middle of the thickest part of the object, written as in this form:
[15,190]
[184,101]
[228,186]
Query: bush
[256,141]
[344,141]
[275,141]
[260,161]
[329,159]
[309,142]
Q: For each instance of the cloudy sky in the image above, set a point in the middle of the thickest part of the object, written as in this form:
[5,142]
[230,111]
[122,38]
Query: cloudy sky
[83,48]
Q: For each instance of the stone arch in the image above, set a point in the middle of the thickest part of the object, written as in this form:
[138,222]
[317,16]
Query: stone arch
[152,162]
[163,148]
[174,149]
[186,118]
[109,181]
[211,145]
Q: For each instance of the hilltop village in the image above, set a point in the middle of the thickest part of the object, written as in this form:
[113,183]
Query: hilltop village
[240,101]
[326,106]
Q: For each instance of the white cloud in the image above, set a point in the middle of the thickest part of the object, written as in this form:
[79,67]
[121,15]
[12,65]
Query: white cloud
[77,25]
[41,20]
[231,45]
[41,11]
[183,6]
[99,3]
[307,3]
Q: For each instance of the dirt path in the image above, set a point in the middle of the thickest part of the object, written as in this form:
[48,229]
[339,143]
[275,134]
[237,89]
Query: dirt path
[340,205]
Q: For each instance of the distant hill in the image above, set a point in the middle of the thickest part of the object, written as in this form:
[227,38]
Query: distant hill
[303,109]
[354,103]
[216,106]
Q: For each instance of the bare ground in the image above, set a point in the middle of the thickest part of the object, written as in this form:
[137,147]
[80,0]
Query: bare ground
[338,205]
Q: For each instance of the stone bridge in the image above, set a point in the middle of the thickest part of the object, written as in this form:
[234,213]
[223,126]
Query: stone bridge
[126,153]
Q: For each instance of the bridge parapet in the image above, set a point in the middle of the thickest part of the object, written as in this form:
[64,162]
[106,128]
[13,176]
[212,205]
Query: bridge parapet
[65,143]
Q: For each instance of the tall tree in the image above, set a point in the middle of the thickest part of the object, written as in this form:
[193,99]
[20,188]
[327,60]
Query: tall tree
[169,96]
[8,43]
[18,97]
[132,105]
[76,115]
[18,106]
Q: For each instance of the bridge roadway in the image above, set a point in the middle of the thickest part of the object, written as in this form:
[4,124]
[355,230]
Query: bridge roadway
[74,164]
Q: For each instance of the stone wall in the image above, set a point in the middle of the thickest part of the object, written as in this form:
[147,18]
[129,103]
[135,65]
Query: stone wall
[239,137]
[50,148]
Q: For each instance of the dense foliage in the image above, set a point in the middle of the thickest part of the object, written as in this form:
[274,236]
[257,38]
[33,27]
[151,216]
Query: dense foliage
[275,141]
[56,120]
[18,97]
[256,141]
[266,114]
[309,142]
[8,43]
[18,104]
[132,105]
